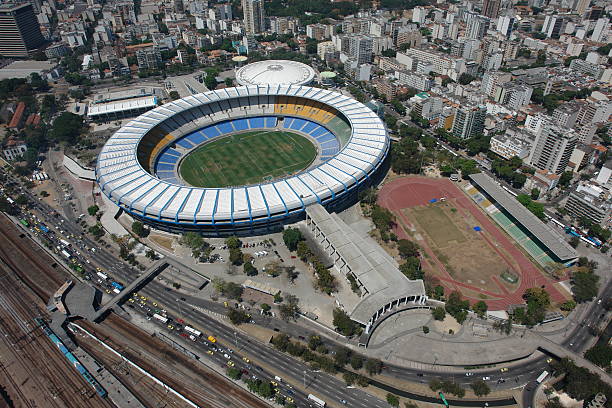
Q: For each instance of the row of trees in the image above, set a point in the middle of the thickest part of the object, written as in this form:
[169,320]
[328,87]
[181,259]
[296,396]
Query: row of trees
[458,307]
[317,355]
[326,282]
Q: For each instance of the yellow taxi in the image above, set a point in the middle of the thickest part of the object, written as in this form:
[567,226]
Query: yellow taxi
[246,360]
[230,363]
[210,352]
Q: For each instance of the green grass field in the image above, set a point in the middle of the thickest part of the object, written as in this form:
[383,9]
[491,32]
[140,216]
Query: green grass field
[247,158]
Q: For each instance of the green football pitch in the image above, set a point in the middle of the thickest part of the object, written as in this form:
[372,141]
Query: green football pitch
[247,158]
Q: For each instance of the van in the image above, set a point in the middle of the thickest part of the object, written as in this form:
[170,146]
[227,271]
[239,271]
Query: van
[277,378]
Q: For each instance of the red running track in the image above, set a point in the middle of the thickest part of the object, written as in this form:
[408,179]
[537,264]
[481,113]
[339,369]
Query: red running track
[416,191]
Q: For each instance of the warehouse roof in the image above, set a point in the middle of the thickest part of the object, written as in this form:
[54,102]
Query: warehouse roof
[122,105]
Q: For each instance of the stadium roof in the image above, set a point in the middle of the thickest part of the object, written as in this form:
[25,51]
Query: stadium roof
[546,235]
[275,72]
[122,106]
[124,180]
[373,267]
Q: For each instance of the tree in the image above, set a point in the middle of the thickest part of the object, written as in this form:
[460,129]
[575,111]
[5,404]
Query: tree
[235,256]
[139,229]
[349,377]
[67,128]
[600,354]
[356,361]
[291,237]
[233,242]
[96,230]
[574,242]
[535,193]
[392,400]
[343,323]
[342,356]
[373,366]
[265,390]
[407,248]
[585,286]
[237,316]
[290,308]
[536,208]
[457,307]
[465,78]
[480,308]
[412,268]
[438,313]
[480,388]
[249,269]
[265,307]
[234,373]
[292,273]
[92,210]
[174,95]
[425,329]
[565,178]
[314,341]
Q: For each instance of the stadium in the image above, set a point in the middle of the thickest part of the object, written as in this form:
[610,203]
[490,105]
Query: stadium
[243,160]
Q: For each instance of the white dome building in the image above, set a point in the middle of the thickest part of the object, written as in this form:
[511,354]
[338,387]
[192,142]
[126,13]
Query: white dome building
[275,72]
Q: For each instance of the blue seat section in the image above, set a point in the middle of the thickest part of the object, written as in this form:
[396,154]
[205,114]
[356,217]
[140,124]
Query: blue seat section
[270,121]
[318,132]
[331,144]
[164,174]
[256,123]
[173,152]
[329,152]
[164,166]
[287,123]
[240,124]
[184,144]
[168,158]
[326,137]
[195,138]
[310,126]
[211,132]
[298,124]
[225,127]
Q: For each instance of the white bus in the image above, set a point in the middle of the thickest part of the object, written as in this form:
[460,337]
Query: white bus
[66,254]
[64,242]
[160,318]
[542,377]
[193,331]
[318,401]
[102,276]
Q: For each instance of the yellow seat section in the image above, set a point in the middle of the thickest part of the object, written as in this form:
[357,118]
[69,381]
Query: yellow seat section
[281,103]
[168,138]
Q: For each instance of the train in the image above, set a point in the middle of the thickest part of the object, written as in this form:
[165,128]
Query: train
[71,358]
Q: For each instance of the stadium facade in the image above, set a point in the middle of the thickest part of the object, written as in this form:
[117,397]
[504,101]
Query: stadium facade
[138,166]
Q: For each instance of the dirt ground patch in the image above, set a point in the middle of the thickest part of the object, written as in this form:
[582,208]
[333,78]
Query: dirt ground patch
[256,297]
[465,253]
[437,225]
[163,241]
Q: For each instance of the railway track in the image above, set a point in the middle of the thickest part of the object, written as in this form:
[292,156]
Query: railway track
[200,384]
[58,384]
[41,277]
[35,268]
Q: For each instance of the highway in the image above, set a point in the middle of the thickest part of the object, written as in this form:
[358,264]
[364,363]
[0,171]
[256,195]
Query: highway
[321,384]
